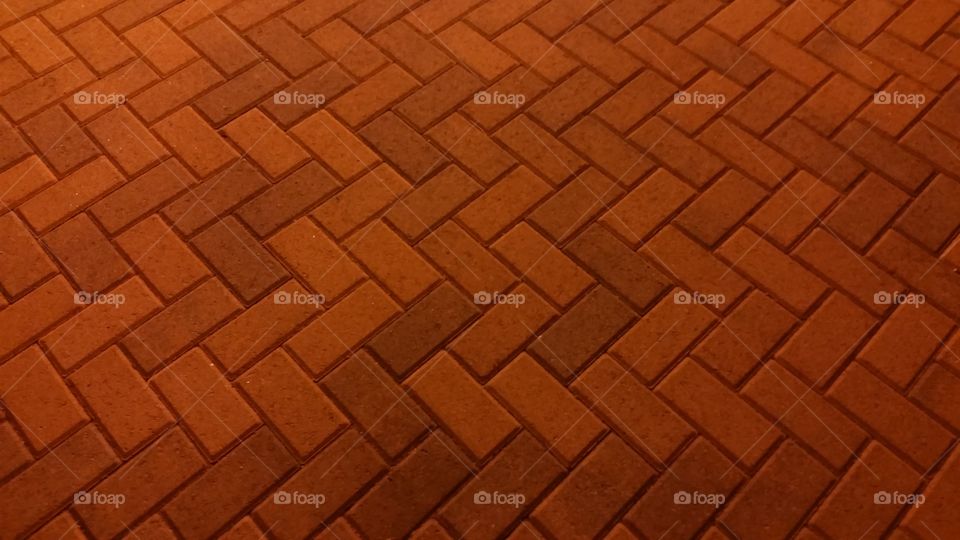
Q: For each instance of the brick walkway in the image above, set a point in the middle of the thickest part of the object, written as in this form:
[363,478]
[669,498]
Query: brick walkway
[479,269]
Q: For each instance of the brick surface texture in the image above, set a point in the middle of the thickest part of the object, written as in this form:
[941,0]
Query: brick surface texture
[482,269]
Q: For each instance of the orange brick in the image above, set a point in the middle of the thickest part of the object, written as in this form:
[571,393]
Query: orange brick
[392,261]
[22,180]
[77,191]
[86,254]
[316,259]
[176,90]
[543,153]
[28,317]
[38,400]
[127,140]
[565,425]
[100,325]
[462,406]
[475,51]
[195,142]
[98,45]
[466,261]
[161,47]
[720,412]
[165,260]
[373,95]
[335,145]
[341,328]
[209,406]
[109,380]
[265,143]
[292,403]
[23,262]
[288,199]
[570,98]
[40,48]
[647,206]
[420,211]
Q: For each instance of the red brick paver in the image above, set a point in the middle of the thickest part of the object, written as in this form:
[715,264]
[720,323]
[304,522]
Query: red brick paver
[561,269]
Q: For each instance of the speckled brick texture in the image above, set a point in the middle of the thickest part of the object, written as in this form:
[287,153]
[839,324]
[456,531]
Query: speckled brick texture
[480,269]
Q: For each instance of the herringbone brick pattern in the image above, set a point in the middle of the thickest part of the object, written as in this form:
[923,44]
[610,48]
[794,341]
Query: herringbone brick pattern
[479,269]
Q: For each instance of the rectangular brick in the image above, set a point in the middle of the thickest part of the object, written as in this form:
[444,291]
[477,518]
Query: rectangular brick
[127,140]
[465,260]
[46,90]
[98,45]
[38,400]
[195,142]
[719,412]
[608,150]
[240,92]
[543,264]
[745,337]
[788,58]
[52,481]
[820,155]
[210,407]
[569,99]
[353,51]
[335,145]
[764,493]
[219,495]
[541,151]
[409,151]
[546,408]
[28,317]
[341,470]
[162,257]
[527,44]
[501,332]
[205,202]
[285,46]
[59,139]
[299,410]
[582,333]
[381,407]
[637,414]
[575,204]
[288,199]
[374,95]
[171,331]
[721,207]
[695,267]
[328,80]
[86,254]
[907,261]
[460,404]
[422,479]
[793,209]
[805,414]
[907,339]
[75,192]
[597,489]
[23,262]
[175,90]
[523,466]
[772,269]
[159,471]
[604,254]
[826,339]
[259,329]
[401,269]
[110,379]
[476,152]
[39,48]
[316,259]
[475,51]
[341,328]
[413,336]
[23,180]
[661,336]
[937,514]
[100,325]
[890,415]
[439,97]
[265,143]
[750,155]
[157,44]
[701,468]
[142,195]
[421,210]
